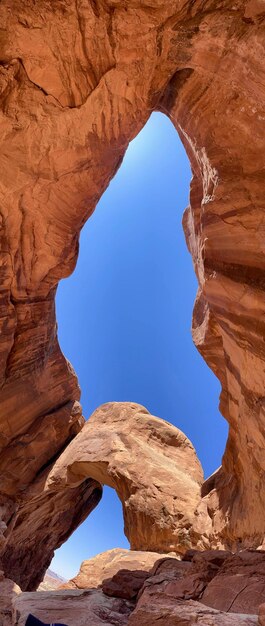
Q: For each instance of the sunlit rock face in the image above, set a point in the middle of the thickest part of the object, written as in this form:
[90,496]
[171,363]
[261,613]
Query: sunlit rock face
[152,466]
[103,567]
[78,81]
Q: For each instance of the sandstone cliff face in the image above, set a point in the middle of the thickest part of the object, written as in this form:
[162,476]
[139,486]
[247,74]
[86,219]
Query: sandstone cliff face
[151,464]
[78,81]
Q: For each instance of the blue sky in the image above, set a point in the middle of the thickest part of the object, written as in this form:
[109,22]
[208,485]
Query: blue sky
[124,317]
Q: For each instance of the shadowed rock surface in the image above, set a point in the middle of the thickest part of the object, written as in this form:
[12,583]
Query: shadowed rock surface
[152,466]
[8,593]
[31,546]
[78,80]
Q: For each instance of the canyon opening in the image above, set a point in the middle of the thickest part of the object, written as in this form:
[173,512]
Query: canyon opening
[125,314]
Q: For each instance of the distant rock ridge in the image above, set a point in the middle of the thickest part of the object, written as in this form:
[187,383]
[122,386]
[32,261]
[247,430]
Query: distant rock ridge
[51,581]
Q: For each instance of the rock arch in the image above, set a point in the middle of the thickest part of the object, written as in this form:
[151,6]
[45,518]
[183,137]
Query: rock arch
[152,466]
[78,81]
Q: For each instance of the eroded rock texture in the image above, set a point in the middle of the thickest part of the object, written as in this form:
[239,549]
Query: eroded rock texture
[78,80]
[152,466]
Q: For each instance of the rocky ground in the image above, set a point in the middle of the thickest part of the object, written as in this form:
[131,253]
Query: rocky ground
[210,588]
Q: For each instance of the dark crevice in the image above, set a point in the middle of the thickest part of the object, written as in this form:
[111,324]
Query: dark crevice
[54,457]
[94,7]
[168,99]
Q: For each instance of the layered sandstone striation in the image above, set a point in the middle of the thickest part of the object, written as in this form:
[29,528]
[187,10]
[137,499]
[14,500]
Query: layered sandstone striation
[78,80]
[152,466]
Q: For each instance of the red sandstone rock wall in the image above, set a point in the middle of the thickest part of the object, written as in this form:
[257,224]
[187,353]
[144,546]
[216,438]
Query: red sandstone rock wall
[78,80]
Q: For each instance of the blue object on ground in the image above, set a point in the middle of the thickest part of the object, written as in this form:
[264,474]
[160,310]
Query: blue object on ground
[34,621]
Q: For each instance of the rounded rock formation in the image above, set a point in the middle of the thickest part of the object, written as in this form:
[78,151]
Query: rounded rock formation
[103,566]
[152,466]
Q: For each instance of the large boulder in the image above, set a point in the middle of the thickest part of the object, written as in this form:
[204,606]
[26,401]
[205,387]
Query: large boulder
[104,566]
[213,587]
[152,466]
[167,611]
[239,586]
[230,583]
[72,607]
